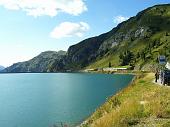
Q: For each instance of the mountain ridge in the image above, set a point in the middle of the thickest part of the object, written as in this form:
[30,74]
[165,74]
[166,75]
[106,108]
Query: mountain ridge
[39,63]
[136,42]
[1,68]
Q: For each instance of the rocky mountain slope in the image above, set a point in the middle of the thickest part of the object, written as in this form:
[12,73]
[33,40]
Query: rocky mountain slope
[136,42]
[145,36]
[40,63]
[1,67]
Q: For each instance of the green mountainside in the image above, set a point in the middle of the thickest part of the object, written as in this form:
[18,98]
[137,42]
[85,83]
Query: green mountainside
[139,40]
[136,42]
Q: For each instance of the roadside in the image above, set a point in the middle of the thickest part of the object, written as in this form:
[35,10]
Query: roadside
[159,83]
[142,103]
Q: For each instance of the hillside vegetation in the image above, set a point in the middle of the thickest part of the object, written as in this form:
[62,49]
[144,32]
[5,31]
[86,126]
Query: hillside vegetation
[136,42]
[142,104]
[145,36]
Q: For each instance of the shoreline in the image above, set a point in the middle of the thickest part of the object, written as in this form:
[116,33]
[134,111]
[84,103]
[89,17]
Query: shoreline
[83,123]
[127,103]
[84,73]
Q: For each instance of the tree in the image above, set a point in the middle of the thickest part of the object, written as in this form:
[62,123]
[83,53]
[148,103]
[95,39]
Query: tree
[150,48]
[143,55]
[138,55]
[126,58]
[110,64]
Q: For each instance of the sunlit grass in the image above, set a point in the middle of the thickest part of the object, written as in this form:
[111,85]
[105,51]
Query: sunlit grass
[142,103]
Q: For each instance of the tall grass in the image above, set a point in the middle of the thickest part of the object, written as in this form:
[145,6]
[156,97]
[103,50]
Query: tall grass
[143,103]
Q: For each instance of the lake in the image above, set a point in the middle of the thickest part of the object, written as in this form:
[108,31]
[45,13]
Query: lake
[45,100]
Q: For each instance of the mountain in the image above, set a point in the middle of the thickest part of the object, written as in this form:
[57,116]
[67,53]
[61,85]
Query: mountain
[136,42]
[1,68]
[147,35]
[40,63]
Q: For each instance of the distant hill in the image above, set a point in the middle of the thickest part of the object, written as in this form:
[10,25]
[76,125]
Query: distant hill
[40,63]
[1,68]
[136,42]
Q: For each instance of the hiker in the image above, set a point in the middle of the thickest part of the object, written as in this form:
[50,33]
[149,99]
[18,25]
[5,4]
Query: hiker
[156,76]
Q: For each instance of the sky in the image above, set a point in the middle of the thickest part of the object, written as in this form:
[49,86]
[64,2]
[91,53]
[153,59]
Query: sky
[29,27]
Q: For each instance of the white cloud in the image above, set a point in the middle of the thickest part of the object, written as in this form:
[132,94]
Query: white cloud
[45,7]
[69,29]
[119,19]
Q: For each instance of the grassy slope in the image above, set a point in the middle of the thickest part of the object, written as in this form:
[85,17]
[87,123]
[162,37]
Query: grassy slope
[141,104]
[138,46]
[153,17]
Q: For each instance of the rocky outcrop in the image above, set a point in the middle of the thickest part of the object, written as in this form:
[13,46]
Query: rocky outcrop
[40,63]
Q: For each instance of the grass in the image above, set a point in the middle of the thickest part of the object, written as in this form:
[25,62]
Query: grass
[140,104]
[104,62]
[159,45]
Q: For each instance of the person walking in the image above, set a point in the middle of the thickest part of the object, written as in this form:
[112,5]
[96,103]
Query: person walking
[156,76]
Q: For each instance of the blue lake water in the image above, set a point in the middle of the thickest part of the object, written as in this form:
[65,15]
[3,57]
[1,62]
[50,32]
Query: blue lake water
[43,100]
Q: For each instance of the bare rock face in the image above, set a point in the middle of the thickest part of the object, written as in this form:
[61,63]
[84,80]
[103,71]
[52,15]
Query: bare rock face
[150,67]
[131,35]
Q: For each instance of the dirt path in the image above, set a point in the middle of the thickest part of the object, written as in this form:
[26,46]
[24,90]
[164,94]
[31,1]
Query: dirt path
[159,83]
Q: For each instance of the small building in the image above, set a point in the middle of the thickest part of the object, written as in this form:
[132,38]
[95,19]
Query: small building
[90,70]
[114,69]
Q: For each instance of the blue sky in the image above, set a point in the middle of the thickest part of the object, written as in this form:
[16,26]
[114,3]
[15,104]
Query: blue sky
[28,28]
